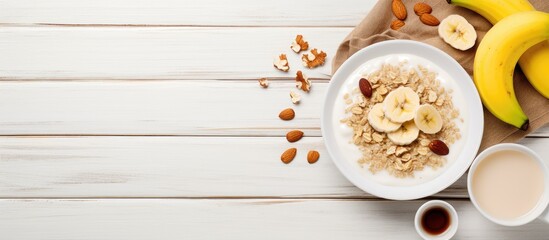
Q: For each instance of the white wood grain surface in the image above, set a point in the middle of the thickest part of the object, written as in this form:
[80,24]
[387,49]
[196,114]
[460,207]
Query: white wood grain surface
[177,167]
[235,219]
[155,108]
[157,53]
[185,12]
[171,167]
[140,119]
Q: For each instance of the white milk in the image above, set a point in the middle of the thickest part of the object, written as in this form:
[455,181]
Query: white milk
[345,134]
[508,184]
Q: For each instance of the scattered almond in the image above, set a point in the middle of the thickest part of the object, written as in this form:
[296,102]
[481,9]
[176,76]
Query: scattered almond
[288,155]
[439,147]
[299,44]
[397,24]
[399,10]
[281,63]
[429,19]
[294,136]
[312,156]
[302,81]
[314,59]
[365,87]
[422,8]
[295,97]
[287,114]
[263,82]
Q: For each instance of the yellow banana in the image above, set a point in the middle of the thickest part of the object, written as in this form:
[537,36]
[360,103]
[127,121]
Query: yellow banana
[494,10]
[534,61]
[535,65]
[496,58]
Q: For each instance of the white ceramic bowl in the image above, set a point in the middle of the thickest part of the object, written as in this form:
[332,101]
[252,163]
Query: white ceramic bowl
[458,160]
[543,201]
[454,220]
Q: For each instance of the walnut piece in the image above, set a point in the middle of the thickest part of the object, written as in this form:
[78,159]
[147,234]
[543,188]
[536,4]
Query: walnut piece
[302,81]
[314,59]
[263,82]
[299,44]
[281,63]
[295,97]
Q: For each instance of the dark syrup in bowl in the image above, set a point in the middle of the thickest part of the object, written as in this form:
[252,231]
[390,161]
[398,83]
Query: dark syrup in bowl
[435,220]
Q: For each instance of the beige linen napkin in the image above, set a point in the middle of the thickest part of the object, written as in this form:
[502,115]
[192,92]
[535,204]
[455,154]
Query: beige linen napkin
[375,28]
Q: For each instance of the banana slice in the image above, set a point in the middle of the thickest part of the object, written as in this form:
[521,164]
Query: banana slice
[377,119]
[405,135]
[456,31]
[400,105]
[428,119]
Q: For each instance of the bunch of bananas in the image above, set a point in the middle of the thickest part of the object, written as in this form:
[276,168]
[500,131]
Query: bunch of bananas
[520,33]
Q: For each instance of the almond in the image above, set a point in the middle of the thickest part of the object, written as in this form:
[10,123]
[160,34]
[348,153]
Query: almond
[422,8]
[365,87]
[429,19]
[439,147]
[287,114]
[397,24]
[312,156]
[294,136]
[399,10]
[288,155]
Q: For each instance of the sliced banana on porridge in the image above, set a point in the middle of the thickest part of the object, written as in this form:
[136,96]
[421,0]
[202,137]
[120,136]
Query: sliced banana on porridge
[378,120]
[400,105]
[427,119]
[386,127]
[405,135]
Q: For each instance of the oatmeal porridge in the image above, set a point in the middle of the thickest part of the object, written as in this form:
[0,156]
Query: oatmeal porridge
[403,119]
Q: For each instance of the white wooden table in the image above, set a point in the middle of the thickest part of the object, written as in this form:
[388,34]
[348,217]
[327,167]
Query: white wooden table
[131,119]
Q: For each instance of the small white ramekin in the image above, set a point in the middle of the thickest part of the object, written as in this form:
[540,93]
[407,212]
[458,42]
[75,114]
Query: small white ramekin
[452,229]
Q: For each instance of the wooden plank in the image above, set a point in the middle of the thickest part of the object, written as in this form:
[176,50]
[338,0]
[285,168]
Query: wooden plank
[176,167]
[170,167]
[158,108]
[156,53]
[235,219]
[196,13]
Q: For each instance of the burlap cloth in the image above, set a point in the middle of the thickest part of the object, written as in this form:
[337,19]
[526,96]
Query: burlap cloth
[375,28]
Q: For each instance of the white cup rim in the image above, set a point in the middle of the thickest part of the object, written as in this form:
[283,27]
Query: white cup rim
[454,220]
[542,203]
